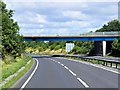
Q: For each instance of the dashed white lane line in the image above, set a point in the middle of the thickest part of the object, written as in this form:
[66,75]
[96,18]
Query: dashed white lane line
[26,82]
[62,65]
[66,67]
[59,62]
[72,73]
[98,66]
[79,79]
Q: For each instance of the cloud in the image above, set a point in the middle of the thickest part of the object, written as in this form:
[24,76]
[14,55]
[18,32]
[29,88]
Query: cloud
[80,24]
[31,18]
[69,24]
[63,1]
[38,19]
[75,15]
[30,26]
[62,17]
[81,0]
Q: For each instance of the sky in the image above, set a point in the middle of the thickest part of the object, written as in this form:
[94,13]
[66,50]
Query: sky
[62,17]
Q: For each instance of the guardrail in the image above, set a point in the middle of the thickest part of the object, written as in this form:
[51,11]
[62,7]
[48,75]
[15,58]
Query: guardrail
[72,34]
[99,60]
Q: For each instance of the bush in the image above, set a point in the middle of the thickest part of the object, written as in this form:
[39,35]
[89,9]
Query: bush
[9,69]
[52,46]
[8,59]
[116,44]
[40,49]
[57,47]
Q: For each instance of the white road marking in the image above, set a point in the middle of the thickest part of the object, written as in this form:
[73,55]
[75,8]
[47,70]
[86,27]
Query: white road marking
[98,66]
[79,79]
[62,64]
[59,62]
[72,73]
[66,67]
[26,82]
[54,60]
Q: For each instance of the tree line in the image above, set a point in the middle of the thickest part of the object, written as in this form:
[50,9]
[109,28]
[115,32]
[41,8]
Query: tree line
[57,47]
[12,43]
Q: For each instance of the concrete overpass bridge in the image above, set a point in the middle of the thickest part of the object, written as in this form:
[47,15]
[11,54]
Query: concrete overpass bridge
[102,40]
[94,36]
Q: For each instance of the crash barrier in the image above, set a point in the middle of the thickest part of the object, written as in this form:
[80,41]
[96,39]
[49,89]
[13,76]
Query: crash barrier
[104,61]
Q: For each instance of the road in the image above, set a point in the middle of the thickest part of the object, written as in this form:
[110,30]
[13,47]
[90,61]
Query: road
[62,73]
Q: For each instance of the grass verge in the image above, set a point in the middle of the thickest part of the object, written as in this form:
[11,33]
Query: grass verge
[13,67]
[16,78]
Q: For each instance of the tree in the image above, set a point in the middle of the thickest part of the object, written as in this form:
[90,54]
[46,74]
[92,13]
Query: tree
[12,42]
[57,47]
[113,25]
[82,47]
[116,48]
[116,44]
[52,46]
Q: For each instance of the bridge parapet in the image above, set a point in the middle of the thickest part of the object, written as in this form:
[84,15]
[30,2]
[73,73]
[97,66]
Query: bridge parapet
[90,34]
[101,34]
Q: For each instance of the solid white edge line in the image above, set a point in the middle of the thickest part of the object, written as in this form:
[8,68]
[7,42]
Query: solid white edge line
[26,82]
[116,72]
[80,80]
[101,67]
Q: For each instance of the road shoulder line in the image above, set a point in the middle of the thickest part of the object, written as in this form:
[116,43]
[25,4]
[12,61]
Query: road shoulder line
[94,65]
[29,78]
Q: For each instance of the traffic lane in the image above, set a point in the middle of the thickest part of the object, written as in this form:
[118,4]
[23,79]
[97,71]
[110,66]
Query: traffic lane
[51,75]
[93,76]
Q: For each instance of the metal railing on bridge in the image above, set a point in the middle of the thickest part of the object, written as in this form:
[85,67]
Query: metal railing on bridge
[117,34]
[101,34]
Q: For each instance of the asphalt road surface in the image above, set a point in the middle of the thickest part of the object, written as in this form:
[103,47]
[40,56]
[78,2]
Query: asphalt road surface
[62,73]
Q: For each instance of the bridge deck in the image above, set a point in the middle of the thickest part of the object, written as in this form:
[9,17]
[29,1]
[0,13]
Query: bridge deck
[71,36]
[97,36]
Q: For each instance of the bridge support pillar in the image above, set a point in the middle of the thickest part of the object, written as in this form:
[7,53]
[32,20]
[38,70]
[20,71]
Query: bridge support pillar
[104,47]
[101,48]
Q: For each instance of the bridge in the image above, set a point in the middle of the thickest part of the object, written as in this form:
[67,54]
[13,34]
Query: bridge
[102,40]
[93,36]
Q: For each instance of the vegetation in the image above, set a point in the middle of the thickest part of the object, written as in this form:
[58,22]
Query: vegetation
[45,48]
[9,69]
[57,47]
[12,46]
[94,61]
[0,30]
[82,47]
[113,25]
[12,42]
[116,44]
[116,48]
[20,74]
